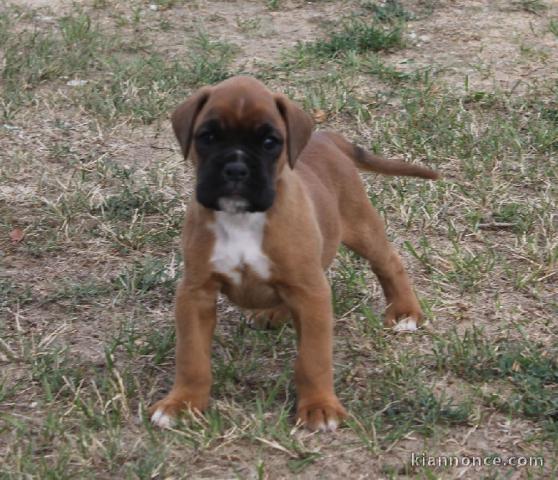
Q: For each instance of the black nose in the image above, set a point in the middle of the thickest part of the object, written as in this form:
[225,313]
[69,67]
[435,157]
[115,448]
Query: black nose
[235,171]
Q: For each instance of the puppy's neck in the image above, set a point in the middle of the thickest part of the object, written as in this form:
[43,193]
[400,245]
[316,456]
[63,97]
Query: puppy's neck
[242,220]
[232,205]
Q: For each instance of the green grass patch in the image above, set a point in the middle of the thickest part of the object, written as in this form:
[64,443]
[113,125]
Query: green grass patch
[56,372]
[147,86]
[13,295]
[530,369]
[388,11]
[145,276]
[76,294]
[397,400]
[538,7]
[120,77]
[355,36]
[358,36]
[73,46]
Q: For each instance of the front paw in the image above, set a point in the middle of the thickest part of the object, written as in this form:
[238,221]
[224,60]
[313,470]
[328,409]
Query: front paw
[321,415]
[165,412]
[403,316]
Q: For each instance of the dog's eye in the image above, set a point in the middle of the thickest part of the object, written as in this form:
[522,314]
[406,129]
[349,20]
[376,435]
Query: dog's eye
[207,137]
[270,143]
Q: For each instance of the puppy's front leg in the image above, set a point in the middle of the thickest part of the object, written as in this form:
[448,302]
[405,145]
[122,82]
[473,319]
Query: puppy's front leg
[318,407]
[195,323]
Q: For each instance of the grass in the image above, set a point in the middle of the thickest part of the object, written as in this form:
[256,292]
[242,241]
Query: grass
[355,36]
[358,34]
[138,84]
[388,11]
[532,6]
[73,46]
[147,86]
[531,370]
[149,274]
[92,175]
[12,294]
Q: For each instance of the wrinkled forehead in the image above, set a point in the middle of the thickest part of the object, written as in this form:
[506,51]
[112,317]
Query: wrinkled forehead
[241,108]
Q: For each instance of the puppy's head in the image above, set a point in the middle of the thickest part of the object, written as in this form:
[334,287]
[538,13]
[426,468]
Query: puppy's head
[239,136]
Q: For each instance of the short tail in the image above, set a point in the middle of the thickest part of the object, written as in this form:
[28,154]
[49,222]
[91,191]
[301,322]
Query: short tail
[374,163]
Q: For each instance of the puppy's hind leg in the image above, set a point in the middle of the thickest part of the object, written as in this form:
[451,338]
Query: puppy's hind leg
[364,233]
[270,318]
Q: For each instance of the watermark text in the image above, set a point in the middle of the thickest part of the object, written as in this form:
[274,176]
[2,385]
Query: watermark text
[424,460]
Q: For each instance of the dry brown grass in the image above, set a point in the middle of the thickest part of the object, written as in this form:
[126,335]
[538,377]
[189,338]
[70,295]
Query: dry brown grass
[92,176]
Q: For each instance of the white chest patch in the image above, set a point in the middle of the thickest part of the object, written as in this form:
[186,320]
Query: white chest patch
[238,244]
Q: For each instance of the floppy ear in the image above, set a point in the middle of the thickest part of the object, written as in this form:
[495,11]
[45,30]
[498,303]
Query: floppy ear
[299,126]
[184,117]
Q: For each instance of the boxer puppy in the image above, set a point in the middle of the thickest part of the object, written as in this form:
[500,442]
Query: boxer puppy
[273,202]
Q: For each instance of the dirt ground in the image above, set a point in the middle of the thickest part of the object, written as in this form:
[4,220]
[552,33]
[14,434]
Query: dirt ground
[93,190]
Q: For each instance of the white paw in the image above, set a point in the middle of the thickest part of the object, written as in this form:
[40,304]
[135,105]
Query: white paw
[331,426]
[162,420]
[406,325]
